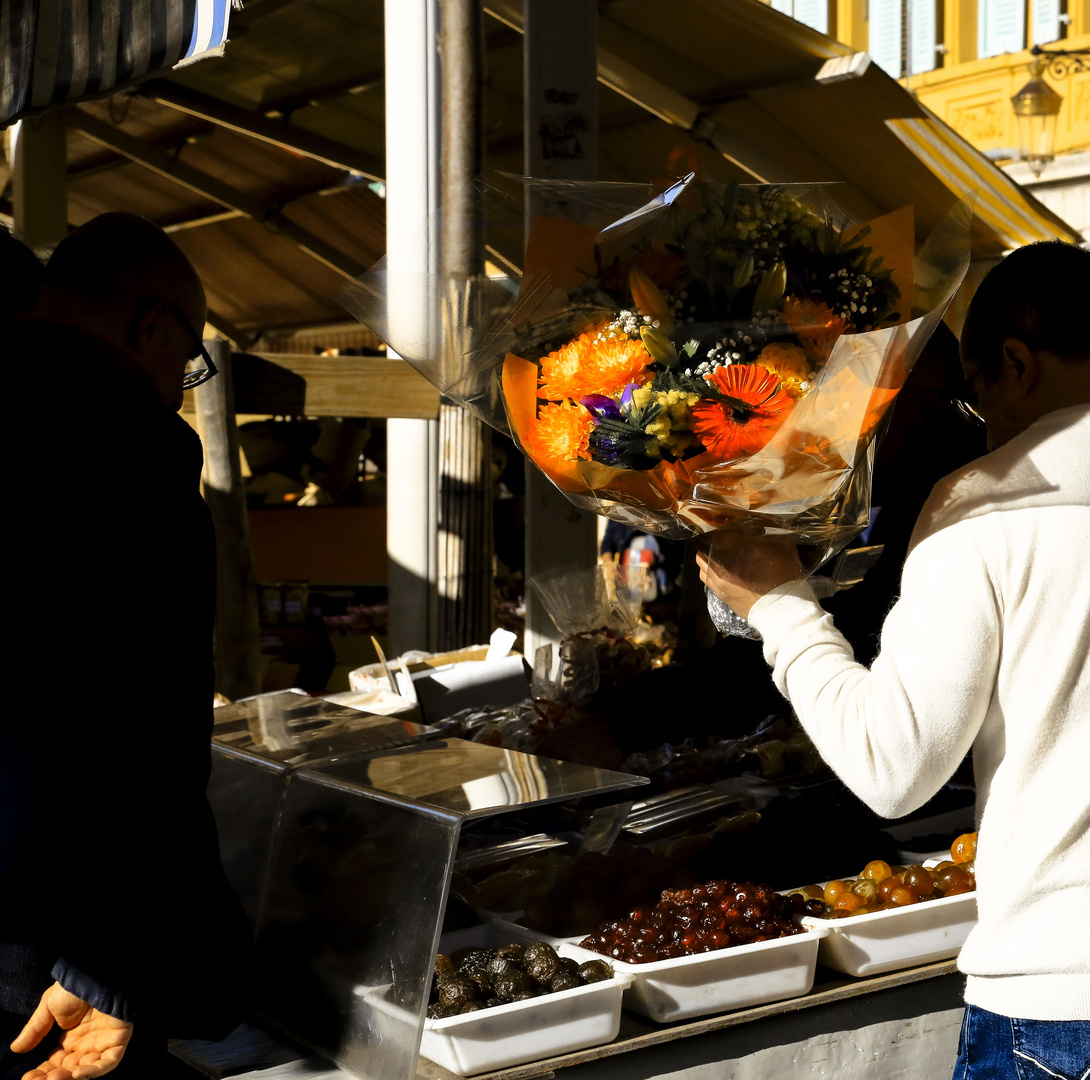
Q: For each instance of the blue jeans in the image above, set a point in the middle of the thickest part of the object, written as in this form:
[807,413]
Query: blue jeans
[994,1047]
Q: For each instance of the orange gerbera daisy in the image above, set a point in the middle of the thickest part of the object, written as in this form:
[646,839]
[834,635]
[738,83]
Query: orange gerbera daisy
[561,432]
[594,363]
[814,324]
[757,406]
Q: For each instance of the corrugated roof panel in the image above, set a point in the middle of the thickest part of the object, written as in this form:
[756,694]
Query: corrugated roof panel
[747,67]
[256,279]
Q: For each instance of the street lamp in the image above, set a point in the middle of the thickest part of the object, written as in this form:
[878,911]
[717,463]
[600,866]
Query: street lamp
[1037,105]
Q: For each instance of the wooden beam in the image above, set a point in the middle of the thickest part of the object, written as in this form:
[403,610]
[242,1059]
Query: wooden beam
[197,221]
[239,338]
[349,86]
[258,126]
[365,386]
[237,634]
[267,214]
[173,140]
[39,181]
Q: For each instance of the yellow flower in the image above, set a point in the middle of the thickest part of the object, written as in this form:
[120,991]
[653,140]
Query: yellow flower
[673,425]
[561,432]
[789,364]
[594,363]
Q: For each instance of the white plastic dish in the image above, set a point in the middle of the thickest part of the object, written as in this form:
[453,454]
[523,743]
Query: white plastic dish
[882,941]
[897,938]
[523,1031]
[738,977]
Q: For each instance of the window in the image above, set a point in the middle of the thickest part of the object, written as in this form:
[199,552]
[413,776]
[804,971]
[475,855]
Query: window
[903,35]
[814,13]
[1048,21]
[1002,26]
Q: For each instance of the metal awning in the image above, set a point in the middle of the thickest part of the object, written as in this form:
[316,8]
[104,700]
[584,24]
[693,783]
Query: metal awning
[267,163]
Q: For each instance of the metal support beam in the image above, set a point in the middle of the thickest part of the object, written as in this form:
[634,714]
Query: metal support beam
[412,195]
[179,171]
[258,126]
[465,443]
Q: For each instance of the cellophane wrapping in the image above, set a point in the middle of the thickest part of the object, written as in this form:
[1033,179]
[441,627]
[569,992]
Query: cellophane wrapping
[682,360]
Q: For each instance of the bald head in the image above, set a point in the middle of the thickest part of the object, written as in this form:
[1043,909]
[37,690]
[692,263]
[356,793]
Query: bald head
[121,277]
[120,258]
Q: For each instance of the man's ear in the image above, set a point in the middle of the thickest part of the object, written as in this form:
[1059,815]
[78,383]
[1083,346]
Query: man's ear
[141,325]
[1022,363]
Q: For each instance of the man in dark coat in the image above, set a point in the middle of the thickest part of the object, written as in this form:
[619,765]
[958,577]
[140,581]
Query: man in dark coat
[117,926]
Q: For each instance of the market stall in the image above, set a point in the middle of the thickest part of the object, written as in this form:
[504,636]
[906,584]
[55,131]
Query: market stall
[366,846]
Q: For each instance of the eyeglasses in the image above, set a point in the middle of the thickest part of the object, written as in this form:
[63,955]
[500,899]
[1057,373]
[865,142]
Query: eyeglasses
[968,413]
[201,375]
[964,403]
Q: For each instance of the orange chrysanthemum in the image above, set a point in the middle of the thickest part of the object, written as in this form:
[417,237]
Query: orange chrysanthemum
[594,363]
[732,431]
[814,324]
[561,432]
[788,363]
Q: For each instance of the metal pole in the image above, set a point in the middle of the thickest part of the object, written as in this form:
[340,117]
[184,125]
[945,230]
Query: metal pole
[465,499]
[412,194]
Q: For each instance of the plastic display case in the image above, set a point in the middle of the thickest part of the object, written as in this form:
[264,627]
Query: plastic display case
[343,846]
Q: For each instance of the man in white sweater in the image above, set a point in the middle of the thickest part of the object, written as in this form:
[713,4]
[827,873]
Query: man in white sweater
[987,648]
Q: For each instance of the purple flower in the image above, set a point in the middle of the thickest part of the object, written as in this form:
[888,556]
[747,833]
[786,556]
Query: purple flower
[601,406]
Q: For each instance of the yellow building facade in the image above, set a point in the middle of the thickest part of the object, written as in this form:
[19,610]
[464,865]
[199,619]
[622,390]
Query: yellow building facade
[965,59]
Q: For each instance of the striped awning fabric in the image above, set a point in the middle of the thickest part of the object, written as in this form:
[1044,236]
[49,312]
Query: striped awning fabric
[1000,202]
[55,52]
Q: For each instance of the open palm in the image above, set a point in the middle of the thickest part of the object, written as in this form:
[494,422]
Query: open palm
[93,1042]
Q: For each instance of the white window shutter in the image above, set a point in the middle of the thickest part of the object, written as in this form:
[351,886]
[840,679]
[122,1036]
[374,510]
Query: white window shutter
[814,13]
[1002,26]
[884,40]
[786,6]
[923,31]
[1046,21]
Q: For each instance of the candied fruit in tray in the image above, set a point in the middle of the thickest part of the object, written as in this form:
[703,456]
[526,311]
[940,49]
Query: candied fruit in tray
[707,917]
[881,887]
[479,978]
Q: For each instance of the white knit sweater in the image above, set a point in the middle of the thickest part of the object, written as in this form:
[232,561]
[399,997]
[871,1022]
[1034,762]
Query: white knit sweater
[988,647]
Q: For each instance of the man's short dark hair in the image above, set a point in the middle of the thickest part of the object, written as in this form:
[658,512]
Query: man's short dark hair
[1038,294]
[116,254]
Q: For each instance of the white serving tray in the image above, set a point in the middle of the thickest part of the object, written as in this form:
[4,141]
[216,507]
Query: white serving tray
[523,1031]
[738,977]
[882,941]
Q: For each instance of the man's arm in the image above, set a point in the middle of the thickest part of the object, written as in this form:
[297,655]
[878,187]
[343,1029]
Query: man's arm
[896,732]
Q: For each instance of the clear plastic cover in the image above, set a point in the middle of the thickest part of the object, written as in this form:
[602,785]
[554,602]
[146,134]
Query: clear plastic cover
[687,360]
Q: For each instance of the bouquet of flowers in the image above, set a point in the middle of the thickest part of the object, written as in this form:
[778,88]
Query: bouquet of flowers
[715,356]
